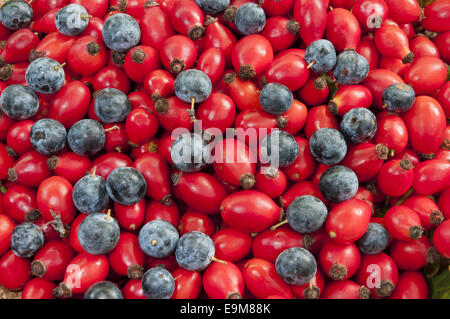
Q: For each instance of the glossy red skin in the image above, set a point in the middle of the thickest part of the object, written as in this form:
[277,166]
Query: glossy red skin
[343,29]
[436,16]
[364,160]
[312,16]
[188,284]
[18,202]
[346,256]
[73,235]
[133,289]
[141,99]
[55,255]
[201,192]
[18,137]
[244,94]
[290,70]
[97,8]
[311,95]
[399,220]
[426,124]
[393,64]
[319,117]
[444,203]
[270,243]
[194,221]
[55,46]
[137,71]
[223,281]
[94,28]
[18,74]
[388,271]
[253,50]
[7,226]
[84,270]
[393,180]
[212,63]
[249,211]
[72,166]
[157,175]
[38,288]
[14,271]
[411,285]
[169,263]
[6,161]
[126,254]
[106,163]
[419,75]
[348,221]
[304,165]
[18,46]
[218,111]
[81,61]
[176,116]
[178,47]
[369,11]
[300,189]
[350,97]
[185,15]
[149,147]
[377,81]
[31,169]
[412,254]
[277,8]
[135,8]
[55,193]
[444,98]
[70,104]
[43,6]
[441,240]
[431,177]
[169,213]
[233,160]
[141,126]
[346,289]
[318,281]
[258,120]
[220,37]
[424,207]
[4,33]
[278,33]
[392,132]
[231,244]
[116,138]
[111,77]
[422,46]
[130,217]
[404,11]
[392,41]
[270,183]
[442,41]
[318,173]
[155,27]
[366,48]
[262,280]
[5,121]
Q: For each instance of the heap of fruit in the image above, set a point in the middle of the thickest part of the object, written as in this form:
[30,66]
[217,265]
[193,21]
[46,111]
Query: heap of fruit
[117,183]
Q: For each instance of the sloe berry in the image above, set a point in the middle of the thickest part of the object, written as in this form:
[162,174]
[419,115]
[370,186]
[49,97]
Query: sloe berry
[158,238]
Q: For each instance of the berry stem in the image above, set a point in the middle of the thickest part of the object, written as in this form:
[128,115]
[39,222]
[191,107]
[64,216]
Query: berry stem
[278,225]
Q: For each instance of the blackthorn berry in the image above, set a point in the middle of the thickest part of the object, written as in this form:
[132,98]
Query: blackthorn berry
[48,136]
[121,32]
[306,214]
[19,102]
[398,97]
[45,75]
[279,148]
[16,14]
[26,239]
[213,6]
[103,290]
[250,18]
[321,56]
[111,106]
[194,251]
[328,146]
[126,185]
[86,137]
[158,283]
[359,125]
[193,84]
[98,233]
[188,152]
[296,266]
[351,68]
[338,183]
[275,98]
[89,194]
[72,20]
[158,238]
[375,239]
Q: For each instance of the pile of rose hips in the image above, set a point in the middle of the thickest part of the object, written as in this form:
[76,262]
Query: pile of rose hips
[99,201]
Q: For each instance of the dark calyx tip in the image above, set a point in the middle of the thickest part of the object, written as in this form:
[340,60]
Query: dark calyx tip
[247,181]
[408,58]
[135,272]
[308,241]
[156,97]
[6,72]
[162,105]
[293,27]
[12,175]
[196,32]
[122,4]
[338,272]
[177,65]
[364,292]
[33,215]
[436,217]
[230,13]
[52,162]
[385,289]
[138,56]
[35,55]
[311,293]
[406,164]
[62,291]
[209,20]
[234,295]
[415,232]
[229,77]
[246,72]
[167,200]
[93,48]
[118,58]
[38,269]
[332,107]
[320,83]
[382,151]
[282,121]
